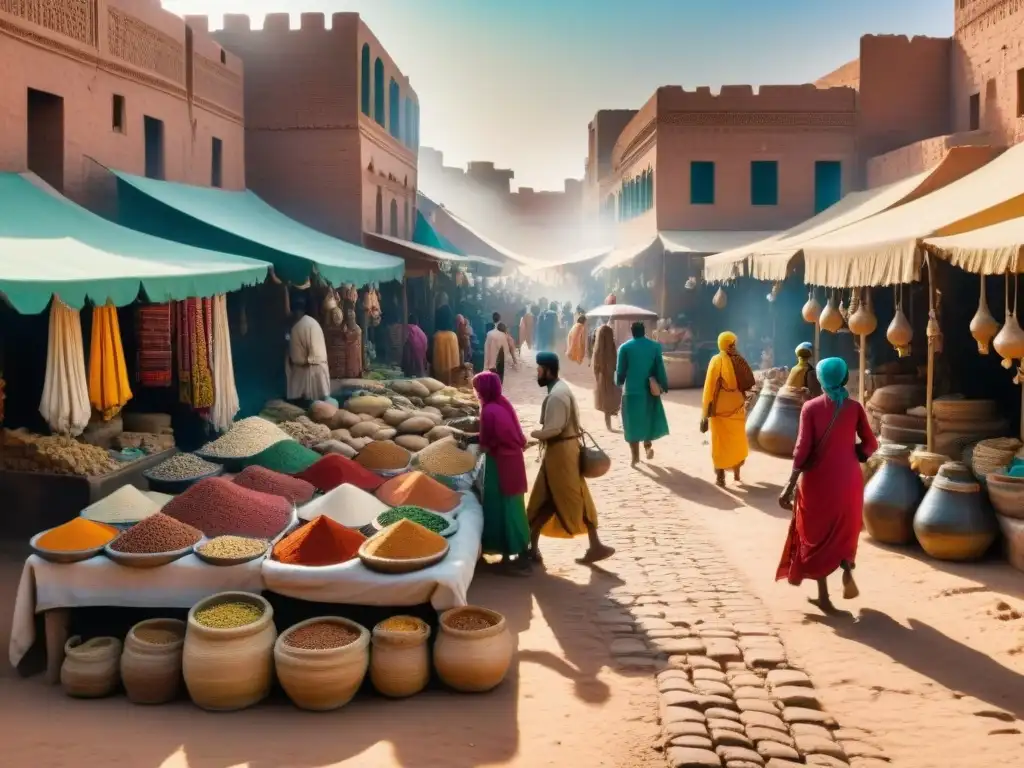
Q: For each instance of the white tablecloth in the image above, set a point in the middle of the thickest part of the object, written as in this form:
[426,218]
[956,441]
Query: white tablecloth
[101,582]
[444,585]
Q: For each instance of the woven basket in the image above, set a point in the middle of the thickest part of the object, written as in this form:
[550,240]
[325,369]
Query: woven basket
[903,421]
[1006,497]
[964,410]
[927,464]
[993,454]
[897,398]
[904,436]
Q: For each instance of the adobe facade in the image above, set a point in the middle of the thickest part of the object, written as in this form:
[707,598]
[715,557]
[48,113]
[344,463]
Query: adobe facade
[332,124]
[121,83]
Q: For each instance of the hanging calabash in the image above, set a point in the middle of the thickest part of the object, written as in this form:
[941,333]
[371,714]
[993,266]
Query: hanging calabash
[830,318]
[1009,342]
[900,333]
[862,320]
[720,299]
[984,327]
[812,309]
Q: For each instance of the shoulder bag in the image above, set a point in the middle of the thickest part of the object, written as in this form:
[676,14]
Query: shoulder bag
[594,462]
[787,495]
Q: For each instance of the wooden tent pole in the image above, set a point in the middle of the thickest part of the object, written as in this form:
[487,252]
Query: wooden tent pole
[929,392]
[862,372]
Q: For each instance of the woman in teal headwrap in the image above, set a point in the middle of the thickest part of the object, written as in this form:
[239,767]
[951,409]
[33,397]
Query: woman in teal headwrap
[826,489]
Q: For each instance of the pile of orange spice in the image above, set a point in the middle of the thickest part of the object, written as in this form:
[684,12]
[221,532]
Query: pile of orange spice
[76,535]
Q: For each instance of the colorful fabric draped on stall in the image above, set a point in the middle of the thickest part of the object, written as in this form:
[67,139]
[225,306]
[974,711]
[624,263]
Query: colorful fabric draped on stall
[154,324]
[193,326]
[109,389]
[65,400]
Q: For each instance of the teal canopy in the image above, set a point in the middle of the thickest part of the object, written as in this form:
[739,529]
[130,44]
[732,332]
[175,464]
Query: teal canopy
[242,223]
[425,234]
[49,245]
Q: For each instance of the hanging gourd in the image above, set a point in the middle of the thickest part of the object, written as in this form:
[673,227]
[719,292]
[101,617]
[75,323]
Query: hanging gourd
[812,309]
[1009,342]
[900,332]
[862,320]
[984,327]
[830,320]
[720,300]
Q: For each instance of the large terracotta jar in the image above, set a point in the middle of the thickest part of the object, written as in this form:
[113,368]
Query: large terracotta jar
[891,497]
[759,413]
[954,521]
[778,434]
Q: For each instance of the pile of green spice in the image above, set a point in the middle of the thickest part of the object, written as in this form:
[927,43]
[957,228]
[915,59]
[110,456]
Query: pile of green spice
[428,520]
[286,456]
[321,636]
[228,615]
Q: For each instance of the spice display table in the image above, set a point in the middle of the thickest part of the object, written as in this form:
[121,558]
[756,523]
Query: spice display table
[53,589]
[46,499]
[444,585]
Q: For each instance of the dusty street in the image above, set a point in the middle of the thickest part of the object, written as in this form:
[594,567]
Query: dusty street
[925,672]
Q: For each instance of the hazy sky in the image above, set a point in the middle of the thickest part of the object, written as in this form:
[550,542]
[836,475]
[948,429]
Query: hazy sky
[517,82]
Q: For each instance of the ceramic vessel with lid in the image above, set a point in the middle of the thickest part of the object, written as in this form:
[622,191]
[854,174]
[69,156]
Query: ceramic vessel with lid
[759,413]
[778,434]
[954,522]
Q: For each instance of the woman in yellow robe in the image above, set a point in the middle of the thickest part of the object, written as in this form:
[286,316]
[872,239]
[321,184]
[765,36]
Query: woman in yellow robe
[576,343]
[725,411]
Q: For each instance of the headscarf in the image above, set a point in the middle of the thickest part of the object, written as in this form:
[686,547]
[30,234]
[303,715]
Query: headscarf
[804,350]
[833,374]
[499,421]
[725,340]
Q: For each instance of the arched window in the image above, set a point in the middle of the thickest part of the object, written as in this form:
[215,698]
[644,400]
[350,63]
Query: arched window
[407,122]
[405,228]
[379,223]
[393,226]
[394,109]
[378,91]
[364,73]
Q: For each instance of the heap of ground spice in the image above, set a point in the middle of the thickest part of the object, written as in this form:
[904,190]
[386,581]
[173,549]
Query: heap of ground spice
[406,540]
[322,542]
[334,470]
[76,535]
[265,480]
[287,456]
[157,533]
[218,507]
[384,455]
[321,636]
[415,489]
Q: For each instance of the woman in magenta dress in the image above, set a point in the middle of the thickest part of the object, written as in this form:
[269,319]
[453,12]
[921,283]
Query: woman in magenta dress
[826,489]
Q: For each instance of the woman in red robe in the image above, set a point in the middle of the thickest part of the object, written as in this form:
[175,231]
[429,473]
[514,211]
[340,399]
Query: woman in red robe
[826,489]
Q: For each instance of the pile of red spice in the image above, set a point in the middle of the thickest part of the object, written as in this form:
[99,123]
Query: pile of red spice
[415,489]
[268,481]
[334,470]
[218,507]
[322,542]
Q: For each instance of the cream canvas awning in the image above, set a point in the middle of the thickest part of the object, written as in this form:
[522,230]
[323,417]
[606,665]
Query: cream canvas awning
[991,250]
[625,254]
[676,241]
[770,259]
[885,249]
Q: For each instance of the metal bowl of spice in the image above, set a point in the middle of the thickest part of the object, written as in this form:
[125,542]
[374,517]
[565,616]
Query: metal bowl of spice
[76,540]
[231,550]
[157,540]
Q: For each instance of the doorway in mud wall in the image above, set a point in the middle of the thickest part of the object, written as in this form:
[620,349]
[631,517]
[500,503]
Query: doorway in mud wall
[46,137]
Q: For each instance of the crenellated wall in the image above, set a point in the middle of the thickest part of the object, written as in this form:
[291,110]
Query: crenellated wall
[312,151]
[88,51]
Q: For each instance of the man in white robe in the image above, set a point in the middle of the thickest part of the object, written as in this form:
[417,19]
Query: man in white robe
[306,371]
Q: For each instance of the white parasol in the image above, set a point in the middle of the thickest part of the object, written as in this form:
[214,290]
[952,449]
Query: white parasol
[620,312]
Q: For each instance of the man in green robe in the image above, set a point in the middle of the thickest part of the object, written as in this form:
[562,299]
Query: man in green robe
[640,371]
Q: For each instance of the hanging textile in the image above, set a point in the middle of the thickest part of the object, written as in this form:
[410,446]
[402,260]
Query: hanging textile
[108,375]
[195,382]
[153,325]
[225,394]
[65,401]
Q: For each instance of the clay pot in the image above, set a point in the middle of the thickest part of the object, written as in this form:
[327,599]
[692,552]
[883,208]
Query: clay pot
[984,327]
[229,669]
[322,680]
[1006,495]
[1013,532]
[777,435]
[1009,342]
[831,319]
[90,669]
[473,661]
[863,321]
[759,413]
[400,662]
[720,299]
[891,497]
[954,522]
[151,672]
[812,309]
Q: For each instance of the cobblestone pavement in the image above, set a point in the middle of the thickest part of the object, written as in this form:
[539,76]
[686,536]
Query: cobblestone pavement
[727,694]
